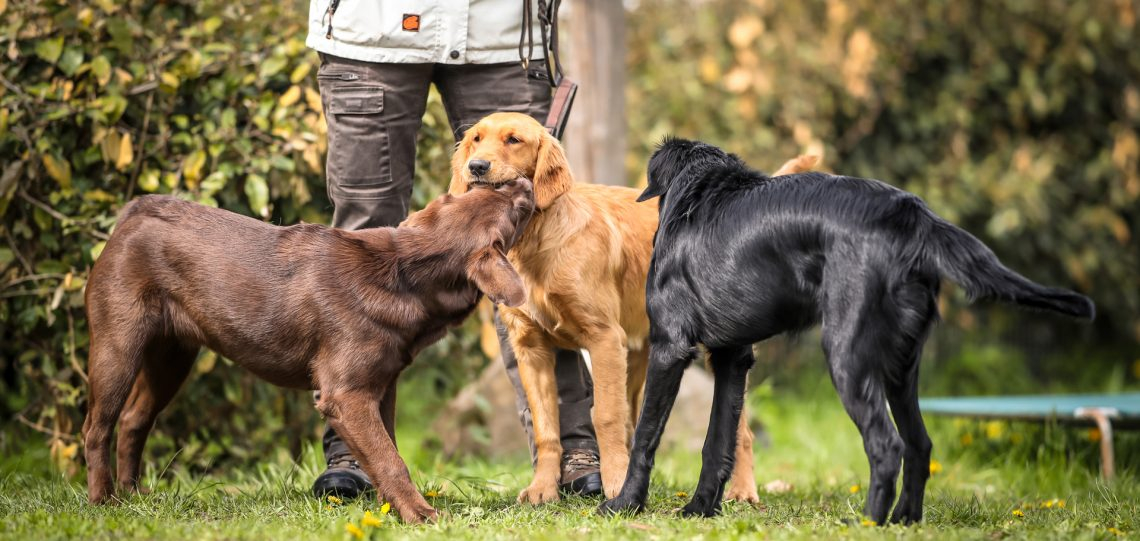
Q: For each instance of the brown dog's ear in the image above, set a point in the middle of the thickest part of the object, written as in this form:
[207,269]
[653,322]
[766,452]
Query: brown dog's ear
[496,278]
[458,162]
[551,172]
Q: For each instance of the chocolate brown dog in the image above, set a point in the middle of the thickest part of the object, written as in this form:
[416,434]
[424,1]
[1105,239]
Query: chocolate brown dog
[305,307]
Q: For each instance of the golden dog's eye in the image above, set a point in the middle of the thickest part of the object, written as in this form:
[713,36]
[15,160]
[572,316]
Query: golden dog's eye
[477,138]
[512,140]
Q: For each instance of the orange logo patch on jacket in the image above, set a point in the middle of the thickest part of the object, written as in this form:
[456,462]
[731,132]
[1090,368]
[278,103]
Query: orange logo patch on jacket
[411,22]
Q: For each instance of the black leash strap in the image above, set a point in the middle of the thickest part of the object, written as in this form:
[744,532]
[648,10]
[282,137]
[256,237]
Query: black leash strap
[548,21]
[564,89]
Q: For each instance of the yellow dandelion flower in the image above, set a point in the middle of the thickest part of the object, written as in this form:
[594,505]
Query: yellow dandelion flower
[1114,531]
[370,520]
[1093,435]
[1018,513]
[384,509]
[967,438]
[869,522]
[681,494]
[935,467]
[994,430]
[354,530]
[431,494]
[1049,504]
[334,500]
[328,508]
[854,489]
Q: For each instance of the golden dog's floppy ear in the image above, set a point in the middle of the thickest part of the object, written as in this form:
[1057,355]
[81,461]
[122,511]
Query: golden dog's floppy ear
[458,162]
[496,278]
[551,172]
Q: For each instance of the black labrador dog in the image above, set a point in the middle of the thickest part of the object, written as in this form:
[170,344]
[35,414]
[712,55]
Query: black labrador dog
[740,257]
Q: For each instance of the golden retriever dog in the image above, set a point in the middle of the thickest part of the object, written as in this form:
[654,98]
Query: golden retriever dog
[583,259]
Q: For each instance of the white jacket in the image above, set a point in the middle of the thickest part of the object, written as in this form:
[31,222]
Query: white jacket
[421,31]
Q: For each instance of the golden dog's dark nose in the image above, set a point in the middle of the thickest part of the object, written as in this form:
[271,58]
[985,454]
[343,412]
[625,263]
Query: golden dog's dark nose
[479,167]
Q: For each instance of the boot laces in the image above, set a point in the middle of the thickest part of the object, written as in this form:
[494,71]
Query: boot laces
[579,459]
[343,461]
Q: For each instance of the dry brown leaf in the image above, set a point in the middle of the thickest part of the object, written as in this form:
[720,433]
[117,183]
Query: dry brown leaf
[126,153]
[58,169]
[290,96]
[778,486]
[313,99]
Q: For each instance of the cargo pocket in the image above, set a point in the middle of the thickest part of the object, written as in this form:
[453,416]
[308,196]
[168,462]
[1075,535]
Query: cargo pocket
[358,156]
[539,92]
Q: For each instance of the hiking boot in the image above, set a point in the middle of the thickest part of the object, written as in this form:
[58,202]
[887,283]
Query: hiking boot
[581,472]
[343,479]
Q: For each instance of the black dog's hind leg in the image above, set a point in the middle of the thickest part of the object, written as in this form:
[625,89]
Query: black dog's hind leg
[667,363]
[903,398]
[730,366]
[854,338]
[916,313]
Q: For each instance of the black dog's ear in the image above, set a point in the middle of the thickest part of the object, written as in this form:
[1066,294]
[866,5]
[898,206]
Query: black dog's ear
[666,163]
[653,190]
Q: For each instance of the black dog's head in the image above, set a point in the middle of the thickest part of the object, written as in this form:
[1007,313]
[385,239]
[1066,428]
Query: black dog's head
[675,156]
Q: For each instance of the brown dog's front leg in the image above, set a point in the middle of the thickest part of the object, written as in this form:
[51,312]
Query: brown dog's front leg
[355,415]
[388,412]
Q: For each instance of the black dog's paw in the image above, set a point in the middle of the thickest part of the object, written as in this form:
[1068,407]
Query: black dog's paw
[620,505]
[697,508]
[905,514]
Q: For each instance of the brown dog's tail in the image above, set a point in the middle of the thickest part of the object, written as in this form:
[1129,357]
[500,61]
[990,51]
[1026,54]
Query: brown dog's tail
[799,164]
[968,262]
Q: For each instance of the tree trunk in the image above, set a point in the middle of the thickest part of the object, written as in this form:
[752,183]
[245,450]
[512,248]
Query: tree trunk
[595,135]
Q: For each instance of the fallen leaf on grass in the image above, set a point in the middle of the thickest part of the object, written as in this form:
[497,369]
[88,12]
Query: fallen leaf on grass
[779,486]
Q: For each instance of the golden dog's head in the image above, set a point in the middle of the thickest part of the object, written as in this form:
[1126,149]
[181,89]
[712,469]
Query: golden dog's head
[504,146]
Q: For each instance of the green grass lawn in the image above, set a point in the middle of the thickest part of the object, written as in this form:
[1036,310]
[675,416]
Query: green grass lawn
[995,481]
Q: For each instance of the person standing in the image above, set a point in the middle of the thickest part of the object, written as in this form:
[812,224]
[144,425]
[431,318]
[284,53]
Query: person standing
[378,60]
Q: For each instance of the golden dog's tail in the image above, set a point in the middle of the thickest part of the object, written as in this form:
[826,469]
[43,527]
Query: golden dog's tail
[799,164]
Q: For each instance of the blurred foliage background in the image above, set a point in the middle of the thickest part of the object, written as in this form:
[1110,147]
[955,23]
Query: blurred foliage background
[1016,119]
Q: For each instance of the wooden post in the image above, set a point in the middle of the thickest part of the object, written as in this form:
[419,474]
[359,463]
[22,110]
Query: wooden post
[596,132]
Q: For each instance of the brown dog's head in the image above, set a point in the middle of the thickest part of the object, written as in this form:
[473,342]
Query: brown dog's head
[478,226]
[504,146]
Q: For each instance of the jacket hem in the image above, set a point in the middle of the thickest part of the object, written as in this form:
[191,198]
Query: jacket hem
[389,55]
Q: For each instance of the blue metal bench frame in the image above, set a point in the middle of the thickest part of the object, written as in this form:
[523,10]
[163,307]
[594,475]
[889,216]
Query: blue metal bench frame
[1106,411]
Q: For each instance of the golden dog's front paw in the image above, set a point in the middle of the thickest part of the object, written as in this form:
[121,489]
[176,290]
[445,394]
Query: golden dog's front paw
[612,480]
[742,491]
[539,492]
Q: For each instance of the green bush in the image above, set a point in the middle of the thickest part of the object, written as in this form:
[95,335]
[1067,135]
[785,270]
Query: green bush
[1018,120]
[103,100]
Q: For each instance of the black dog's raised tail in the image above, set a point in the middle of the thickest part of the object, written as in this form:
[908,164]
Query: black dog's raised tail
[966,261]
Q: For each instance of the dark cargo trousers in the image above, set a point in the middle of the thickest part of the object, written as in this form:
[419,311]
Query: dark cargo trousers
[374,112]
